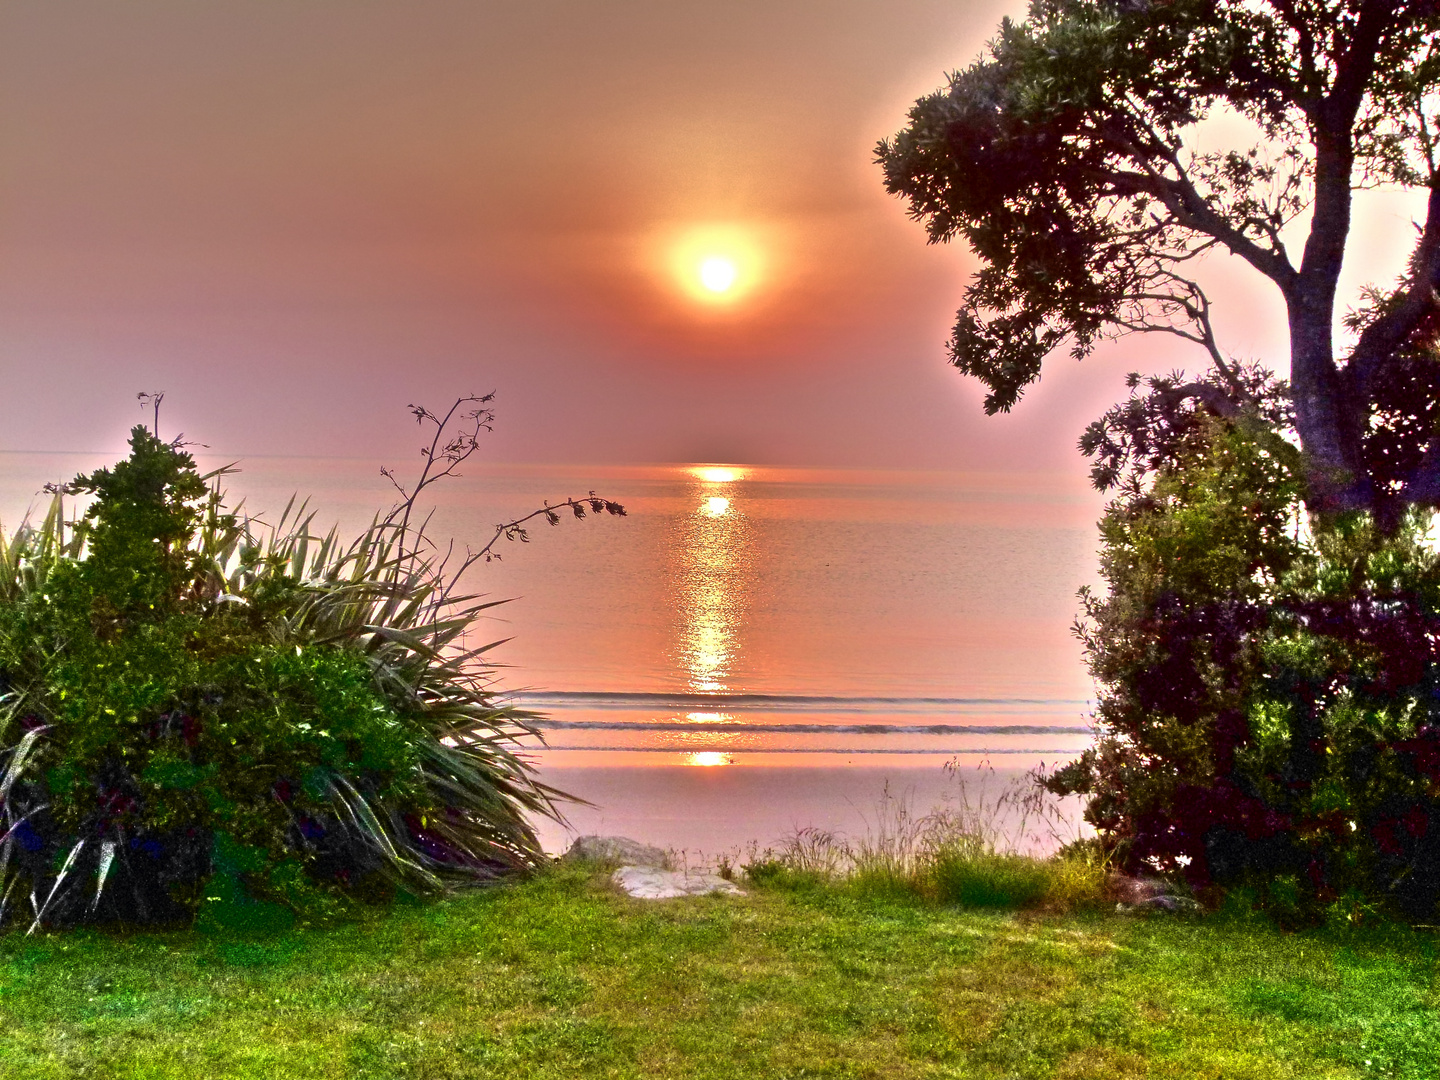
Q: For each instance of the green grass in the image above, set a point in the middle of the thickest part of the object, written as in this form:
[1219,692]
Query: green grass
[561,977]
[992,879]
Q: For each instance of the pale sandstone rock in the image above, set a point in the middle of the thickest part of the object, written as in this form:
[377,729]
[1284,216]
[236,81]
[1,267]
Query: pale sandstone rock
[650,883]
[616,849]
[1172,904]
[1136,890]
[1140,895]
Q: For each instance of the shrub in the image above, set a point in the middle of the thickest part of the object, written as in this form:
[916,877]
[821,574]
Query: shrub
[1269,711]
[200,713]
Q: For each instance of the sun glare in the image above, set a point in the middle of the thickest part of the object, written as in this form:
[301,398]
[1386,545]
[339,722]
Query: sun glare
[716,264]
[707,759]
[716,505]
[709,717]
[714,475]
[717,273]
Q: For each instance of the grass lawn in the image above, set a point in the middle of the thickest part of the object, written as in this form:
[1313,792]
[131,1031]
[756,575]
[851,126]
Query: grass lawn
[562,977]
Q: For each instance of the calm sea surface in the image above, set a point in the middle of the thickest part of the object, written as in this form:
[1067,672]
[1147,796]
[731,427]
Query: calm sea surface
[751,650]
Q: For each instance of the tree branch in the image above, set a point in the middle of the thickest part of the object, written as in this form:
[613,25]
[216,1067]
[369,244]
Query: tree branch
[1196,307]
[1189,208]
[1208,394]
[1356,65]
[1378,342]
[1305,39]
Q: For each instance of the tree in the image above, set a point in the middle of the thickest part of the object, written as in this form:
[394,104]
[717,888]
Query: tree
[1269,697]
[1066,158]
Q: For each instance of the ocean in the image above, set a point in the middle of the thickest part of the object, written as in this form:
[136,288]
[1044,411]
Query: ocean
[749,651]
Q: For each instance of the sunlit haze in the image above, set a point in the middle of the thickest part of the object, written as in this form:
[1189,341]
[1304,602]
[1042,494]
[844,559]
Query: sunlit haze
[723,264]
[653,229]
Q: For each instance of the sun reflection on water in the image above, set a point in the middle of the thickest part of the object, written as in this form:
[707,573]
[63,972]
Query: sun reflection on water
[709,718]
[707,759]
[712,581]
[717,474]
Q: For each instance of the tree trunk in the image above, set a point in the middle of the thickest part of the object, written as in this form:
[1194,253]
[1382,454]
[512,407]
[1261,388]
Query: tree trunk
[1325,417]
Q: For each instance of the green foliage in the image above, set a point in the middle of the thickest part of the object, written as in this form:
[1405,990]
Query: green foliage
[202,715]
[1269,693]
[137,529]
[1077,157]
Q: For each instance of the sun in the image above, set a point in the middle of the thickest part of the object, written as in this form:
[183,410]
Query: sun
[717,273]
[717,265]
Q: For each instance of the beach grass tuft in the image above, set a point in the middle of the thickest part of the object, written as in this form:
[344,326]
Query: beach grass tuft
[1008,847]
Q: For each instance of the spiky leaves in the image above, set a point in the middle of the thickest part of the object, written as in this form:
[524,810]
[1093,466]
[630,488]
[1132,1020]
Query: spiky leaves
[189,692]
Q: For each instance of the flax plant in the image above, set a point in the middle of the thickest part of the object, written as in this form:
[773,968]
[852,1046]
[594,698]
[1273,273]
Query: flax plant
[277,638]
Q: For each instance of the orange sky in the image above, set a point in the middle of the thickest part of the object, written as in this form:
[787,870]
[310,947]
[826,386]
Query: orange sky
[296,218]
